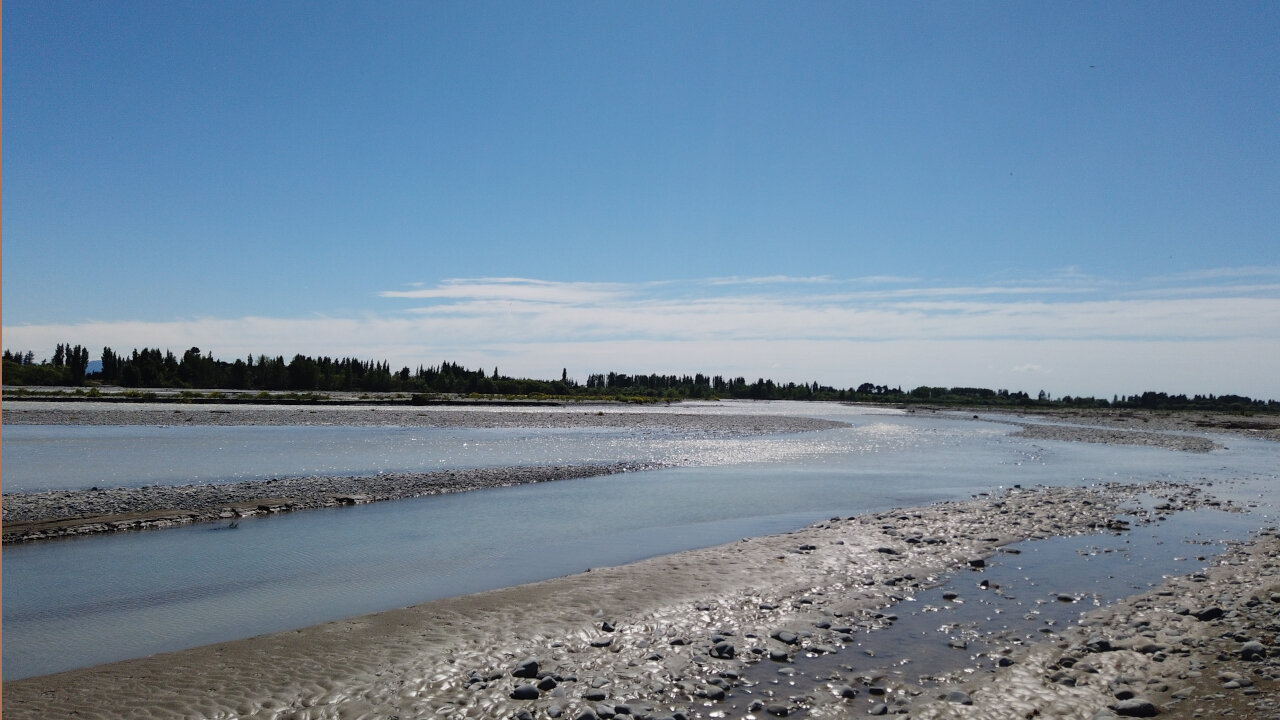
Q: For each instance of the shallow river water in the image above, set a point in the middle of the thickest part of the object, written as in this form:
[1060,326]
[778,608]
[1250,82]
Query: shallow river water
[80,602]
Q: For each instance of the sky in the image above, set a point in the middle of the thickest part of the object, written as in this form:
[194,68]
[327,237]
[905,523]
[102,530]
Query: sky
[1081,198]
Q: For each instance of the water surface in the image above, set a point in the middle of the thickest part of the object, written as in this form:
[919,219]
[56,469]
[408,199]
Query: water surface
[80,602]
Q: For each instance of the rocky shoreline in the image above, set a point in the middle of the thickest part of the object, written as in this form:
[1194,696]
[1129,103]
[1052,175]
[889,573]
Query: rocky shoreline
[677,636]
[1202,645]
[29,517]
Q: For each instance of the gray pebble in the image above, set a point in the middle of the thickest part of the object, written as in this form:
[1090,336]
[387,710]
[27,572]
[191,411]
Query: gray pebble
[785,636]
[1253,650]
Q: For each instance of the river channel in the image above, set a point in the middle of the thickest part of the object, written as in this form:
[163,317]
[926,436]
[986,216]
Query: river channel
[80,602]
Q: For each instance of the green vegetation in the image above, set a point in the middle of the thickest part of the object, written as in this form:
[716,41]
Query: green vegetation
[306,380]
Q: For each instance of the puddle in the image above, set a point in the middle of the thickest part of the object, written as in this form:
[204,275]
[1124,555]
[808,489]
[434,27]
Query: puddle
[965,622]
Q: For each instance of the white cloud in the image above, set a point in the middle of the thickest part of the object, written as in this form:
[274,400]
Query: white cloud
[1087,341]
[769,280]
[514,289]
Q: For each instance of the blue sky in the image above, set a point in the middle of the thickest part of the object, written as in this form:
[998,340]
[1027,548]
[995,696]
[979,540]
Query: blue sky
[1079,197]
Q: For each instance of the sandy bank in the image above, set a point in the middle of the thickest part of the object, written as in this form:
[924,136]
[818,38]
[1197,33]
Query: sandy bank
[663,636]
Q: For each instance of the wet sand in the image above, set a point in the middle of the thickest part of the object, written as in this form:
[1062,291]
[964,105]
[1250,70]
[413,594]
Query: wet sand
[673,636]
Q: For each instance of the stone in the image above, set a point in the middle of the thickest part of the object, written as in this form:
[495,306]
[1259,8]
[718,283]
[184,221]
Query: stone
[525,692]
[723,651]
[848,692]
[959,697]
[1136,707]
[1253,650]
[879,709]
[977,563]
[527,668]
[785,636]
[778,709]
[1209,613]
[547,683]
[1098,644]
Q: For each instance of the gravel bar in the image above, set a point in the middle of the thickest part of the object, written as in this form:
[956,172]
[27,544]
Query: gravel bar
[607,417]
[67,513]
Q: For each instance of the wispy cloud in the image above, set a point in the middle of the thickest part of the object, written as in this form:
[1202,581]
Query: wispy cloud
[1216,332]
[513,289]
[1228,273]
[769,280]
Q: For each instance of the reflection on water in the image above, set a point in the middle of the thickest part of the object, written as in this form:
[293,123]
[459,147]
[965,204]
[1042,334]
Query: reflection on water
[1026,593]
[80,602]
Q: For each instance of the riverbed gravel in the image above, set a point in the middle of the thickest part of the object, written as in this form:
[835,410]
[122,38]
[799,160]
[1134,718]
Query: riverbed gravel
[47,515]
[680,636]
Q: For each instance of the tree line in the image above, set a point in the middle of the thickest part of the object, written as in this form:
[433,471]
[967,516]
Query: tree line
[196,370]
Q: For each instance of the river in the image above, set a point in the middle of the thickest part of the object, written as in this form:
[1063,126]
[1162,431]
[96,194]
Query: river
[86,601]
